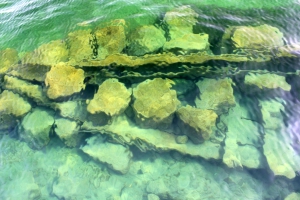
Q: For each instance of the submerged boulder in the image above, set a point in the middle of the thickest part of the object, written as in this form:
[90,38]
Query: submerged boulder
[282,159]
[180,21]
[251,37]
[266,81]
[29,72]
[67,131]
[22,87]
[196,123]
[48,54]
[13,104]
[243,142]
[116,156]
[8,57]
[188,43]
[64,80]
[110,39]
[112,98]
[124,131]
[215,95]
[36,127]
[293,196]
[182,40]
[257,37]
[80,45]
[75,110]
[155,103]
[146,39]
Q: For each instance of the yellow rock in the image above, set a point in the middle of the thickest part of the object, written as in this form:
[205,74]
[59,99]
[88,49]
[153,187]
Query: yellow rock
[8,57]
[257,37]
[111,40]
[80,46]
[155,103]
[112,98]
[64,80]
[11,103]
[48,54]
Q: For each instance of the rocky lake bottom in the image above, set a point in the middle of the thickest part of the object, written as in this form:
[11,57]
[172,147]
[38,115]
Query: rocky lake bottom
[157,112]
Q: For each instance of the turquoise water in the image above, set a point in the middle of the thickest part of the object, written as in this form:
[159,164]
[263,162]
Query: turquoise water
[252,151]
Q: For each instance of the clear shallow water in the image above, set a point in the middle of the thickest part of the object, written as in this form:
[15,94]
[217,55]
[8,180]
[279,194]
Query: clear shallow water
[58,172]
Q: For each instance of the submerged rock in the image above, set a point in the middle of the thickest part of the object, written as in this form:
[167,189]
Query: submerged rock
[180,21]
[252,37]
[67,131]
[48,54]
[80,45]
[36,127]
[110,39]
[243,142]
[189,43]
[196,123]
[112,98]
[75,110]
[293,196]
[155,103]
[267,81]
[64,80]
[282,159]
[123,131]
[8,57]
[116,156]
[146,39]
[182,40]
[29,72]
[215,95]
[13,104]
[22,87]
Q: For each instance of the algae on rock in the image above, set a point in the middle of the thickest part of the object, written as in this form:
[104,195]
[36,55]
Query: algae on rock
[155,103]
[112,98]
[64,80]
[215,95]
[196,123]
